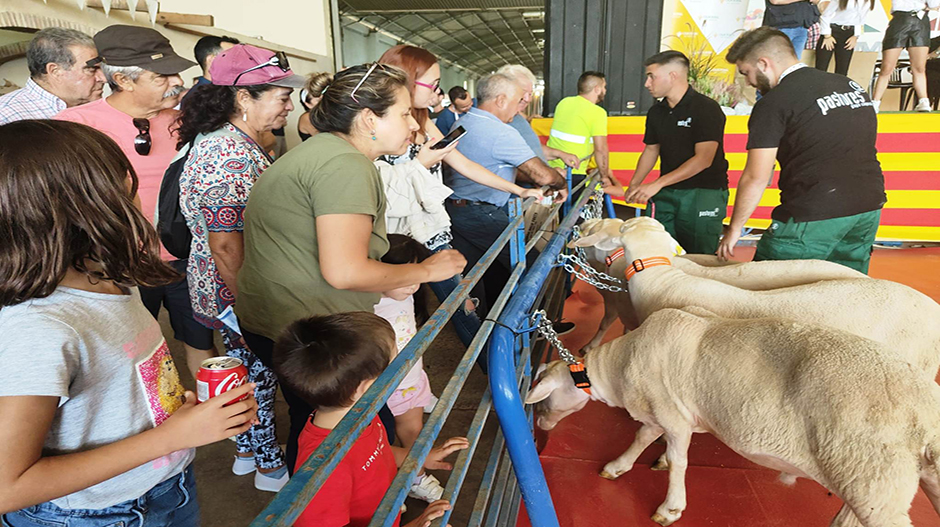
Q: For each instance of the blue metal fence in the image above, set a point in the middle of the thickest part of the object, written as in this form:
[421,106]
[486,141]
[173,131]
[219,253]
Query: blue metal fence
[509,360]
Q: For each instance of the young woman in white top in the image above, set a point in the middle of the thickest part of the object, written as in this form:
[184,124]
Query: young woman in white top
[840,26]
[909,28]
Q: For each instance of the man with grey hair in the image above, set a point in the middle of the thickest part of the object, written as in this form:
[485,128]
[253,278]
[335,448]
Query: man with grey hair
[479,213]
[143,72]
[63,72]
[526,80]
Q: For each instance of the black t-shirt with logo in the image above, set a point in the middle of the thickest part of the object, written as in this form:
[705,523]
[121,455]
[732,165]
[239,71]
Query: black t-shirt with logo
[696,119]
[824,128]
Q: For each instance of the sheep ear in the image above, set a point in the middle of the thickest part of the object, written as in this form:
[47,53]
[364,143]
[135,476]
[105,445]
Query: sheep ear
[542,390]
[541,370]
[589,224]
[587,241]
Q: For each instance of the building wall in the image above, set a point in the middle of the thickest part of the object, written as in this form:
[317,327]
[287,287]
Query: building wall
[302,52]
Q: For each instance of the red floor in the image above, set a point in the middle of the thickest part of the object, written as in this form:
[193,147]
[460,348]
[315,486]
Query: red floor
[724,489]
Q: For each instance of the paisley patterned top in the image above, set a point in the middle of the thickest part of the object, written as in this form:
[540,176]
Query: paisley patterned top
[214,187]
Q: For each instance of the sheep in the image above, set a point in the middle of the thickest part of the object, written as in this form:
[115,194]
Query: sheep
[599,235]
[805,399]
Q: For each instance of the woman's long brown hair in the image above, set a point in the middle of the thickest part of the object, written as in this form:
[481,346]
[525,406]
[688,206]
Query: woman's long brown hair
[64,202]
[415,62]
[844,4]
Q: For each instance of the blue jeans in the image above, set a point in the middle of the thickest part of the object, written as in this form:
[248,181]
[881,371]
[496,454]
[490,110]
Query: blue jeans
[171,503]
[797,36]
[466,323]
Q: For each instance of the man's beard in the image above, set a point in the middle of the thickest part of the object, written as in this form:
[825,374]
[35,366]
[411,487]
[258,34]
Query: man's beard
[763,83]
[600,97]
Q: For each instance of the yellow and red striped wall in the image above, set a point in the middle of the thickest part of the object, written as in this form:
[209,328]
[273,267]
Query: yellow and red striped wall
[908,148]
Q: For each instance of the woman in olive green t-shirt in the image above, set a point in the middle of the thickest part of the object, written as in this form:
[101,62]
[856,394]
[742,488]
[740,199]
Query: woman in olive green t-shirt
[315,224]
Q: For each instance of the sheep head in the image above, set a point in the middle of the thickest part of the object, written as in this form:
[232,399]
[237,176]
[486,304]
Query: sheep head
[645,237]
[556,395]
[603,235]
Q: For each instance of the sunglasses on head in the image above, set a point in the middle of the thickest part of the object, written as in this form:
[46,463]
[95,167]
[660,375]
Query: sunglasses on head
[142,142]
[279,59]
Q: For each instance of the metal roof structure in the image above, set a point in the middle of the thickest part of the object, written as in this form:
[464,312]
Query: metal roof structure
[478,36]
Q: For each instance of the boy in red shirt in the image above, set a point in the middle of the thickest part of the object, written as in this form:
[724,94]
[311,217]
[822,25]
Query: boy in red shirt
[331,361]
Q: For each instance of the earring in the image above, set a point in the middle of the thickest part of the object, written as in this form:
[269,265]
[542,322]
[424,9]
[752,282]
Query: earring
[245,117]
[373,134]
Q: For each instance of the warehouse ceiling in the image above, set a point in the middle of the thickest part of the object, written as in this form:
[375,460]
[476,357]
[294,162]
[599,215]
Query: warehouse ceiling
[475,35]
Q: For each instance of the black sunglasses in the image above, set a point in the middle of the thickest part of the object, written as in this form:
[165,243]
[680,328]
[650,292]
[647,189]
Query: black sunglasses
[142,142]
[279,59]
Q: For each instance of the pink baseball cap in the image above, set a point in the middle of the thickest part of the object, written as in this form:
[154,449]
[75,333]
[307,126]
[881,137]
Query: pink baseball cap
[246,65]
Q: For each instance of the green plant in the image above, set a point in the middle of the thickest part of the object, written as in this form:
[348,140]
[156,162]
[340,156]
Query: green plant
[702,62]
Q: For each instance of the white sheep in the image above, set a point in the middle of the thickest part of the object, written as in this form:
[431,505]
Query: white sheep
[805,399]
[881,310]
[600,238]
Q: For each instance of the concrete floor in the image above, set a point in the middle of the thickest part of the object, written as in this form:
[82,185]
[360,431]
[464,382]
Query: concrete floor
[227,500]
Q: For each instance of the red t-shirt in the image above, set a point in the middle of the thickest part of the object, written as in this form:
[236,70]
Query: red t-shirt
[354,490]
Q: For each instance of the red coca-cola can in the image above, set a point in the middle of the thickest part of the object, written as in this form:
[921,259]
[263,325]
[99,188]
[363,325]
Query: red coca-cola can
[219,375]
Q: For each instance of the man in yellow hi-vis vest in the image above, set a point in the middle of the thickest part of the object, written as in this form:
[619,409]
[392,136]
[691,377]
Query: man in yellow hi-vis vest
[580,127]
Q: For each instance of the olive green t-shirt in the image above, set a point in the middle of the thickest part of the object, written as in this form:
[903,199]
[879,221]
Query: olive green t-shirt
[280,280]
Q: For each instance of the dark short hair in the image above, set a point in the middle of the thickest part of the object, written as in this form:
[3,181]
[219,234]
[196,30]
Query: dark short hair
[763,41]
[51,46]
[668,57]
[337,110]
[324,359]
[404,249]
[210,45]
[457,92]
[206,108]
[587,80]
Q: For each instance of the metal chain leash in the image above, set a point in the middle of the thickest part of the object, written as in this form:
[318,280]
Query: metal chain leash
[545,329]
[588,274]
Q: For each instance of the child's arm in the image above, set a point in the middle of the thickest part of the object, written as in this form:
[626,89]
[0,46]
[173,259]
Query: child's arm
[435,459]
[28,478]
[433,512]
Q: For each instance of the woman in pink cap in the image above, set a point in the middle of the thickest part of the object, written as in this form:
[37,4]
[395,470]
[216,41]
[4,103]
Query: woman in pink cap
[221,125]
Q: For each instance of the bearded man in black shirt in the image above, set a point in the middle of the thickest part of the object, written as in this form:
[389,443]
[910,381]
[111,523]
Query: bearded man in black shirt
[821,127]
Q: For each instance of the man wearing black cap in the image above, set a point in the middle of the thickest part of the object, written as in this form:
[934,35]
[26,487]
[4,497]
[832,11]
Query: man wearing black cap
[144,74]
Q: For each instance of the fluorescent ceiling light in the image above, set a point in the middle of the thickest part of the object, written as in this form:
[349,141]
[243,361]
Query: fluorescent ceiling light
[538,30]
[533,14]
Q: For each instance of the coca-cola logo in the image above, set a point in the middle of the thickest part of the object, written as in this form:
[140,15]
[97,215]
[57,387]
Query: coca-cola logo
[232,381]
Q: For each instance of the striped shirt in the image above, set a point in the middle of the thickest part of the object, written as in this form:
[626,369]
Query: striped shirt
[29,102]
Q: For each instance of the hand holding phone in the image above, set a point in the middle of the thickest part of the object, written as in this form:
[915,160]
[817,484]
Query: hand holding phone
[452,137]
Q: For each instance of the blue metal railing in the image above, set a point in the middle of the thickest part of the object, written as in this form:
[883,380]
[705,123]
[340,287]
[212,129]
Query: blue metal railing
[515,370]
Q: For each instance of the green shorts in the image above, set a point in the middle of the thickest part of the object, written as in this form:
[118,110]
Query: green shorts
[692,216]
[847,240]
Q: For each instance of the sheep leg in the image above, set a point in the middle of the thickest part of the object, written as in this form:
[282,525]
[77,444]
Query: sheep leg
[845,518]
[610,314]
[930,482]
[662,463]
[644,437]
[881,503]
[677,453]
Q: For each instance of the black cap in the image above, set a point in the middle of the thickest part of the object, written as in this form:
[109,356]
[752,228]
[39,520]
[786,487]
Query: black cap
[143,47]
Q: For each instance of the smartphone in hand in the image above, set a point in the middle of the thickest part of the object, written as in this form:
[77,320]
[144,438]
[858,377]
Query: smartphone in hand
[456,134]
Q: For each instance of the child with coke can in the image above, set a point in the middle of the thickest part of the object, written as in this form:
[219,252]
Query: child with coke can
[331,361]
[97,430]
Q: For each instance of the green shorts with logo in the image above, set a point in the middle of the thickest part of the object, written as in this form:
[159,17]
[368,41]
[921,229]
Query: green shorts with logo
[692,216]
[847,240]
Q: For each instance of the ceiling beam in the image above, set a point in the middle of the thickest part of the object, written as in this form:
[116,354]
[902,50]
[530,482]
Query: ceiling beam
[518,40]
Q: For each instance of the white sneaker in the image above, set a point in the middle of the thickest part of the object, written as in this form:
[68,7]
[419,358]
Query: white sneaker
[430,406]
[923,105]
[876,105]
[243,465]
[272,482]
[429,489]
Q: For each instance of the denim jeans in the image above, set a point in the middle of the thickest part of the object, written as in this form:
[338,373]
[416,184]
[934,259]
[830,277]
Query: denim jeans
[797,36]
[466,324]
[171,503]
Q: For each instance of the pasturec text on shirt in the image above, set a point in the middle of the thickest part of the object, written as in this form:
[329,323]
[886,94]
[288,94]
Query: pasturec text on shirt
[854,99]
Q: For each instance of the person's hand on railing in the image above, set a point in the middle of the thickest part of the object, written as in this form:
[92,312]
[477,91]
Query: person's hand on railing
[435,459]
[434,511]
[560,195]
[526,193]
[429,157]
[443,265]
[570,160]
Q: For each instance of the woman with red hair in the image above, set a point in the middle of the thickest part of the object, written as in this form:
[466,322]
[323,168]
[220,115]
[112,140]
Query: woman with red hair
[415,177]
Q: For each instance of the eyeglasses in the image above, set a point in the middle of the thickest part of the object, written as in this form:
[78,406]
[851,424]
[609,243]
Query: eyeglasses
[352,95]
[279,59]
[142,142]
[433,87]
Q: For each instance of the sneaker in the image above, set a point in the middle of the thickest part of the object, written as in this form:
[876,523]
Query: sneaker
[429,489]
[243,465]
[923,105]
[272,481]
[430,406]
[563,328]
[876,105]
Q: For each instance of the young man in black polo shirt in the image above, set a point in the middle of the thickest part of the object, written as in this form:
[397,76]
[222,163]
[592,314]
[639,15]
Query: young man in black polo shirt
[821,127]
[686,131]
